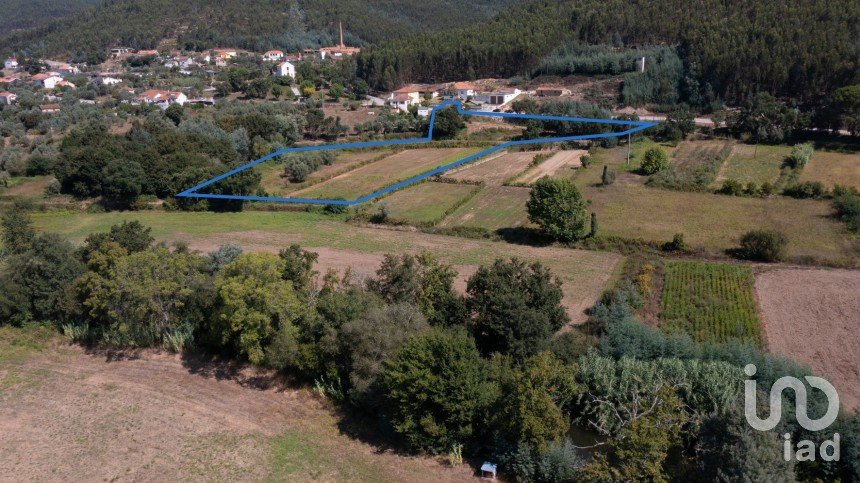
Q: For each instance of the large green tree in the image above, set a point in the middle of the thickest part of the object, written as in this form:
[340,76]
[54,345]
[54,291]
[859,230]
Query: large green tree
[437,390]
[515,307]
[557,206]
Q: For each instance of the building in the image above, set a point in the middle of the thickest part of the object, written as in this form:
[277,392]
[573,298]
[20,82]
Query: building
[7,98]
[106,80]
[424,111]
[49,108]
[46,80]
[285,69]
[161,98]
[338,51]
[502,96]
[488,470]
[10,64]
[273,55]
[67,69]
[401,102]
[66,84]
[147,53]
[464,90]
[225,54]
[552,91]
[412,91]
[119,51]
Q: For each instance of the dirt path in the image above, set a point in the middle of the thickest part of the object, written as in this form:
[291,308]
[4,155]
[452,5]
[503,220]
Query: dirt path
[553,164]
[813,317]
[72,416]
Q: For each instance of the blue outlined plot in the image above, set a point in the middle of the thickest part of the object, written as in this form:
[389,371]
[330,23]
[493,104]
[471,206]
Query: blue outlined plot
[635,126]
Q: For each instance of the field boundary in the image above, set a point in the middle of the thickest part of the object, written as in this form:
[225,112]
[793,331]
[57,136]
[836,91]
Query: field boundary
[193,192]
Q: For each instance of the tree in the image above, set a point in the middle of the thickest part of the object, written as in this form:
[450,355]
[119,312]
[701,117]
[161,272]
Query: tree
[258,88]
[143,298]
[448,124]
[370,340]
[437,390]
[299,268]
[535,400]
[421,280]
[175,112]
[222,256]
[766,119]
[608,177]
[846,102]
[654,160]
[515,307]
[557,206]
[336,91]
[122,181]
[254,303]
[18,231]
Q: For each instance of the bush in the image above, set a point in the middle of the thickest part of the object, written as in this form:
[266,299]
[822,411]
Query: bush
[763,245]
[767,189]
[848,210]
[808,189]
[752,189]
[655,160]
[677,244]
[732,188]
[39,164]
[800,155]
[608,177]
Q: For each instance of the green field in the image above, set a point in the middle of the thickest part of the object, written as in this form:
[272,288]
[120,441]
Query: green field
[757,164]
[276,185]
[426,203]
[710,302]
[493,208]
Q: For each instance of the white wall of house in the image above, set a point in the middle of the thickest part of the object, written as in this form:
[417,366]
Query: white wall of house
[286,69]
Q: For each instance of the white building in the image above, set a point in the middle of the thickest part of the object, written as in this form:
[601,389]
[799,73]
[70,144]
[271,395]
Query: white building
[273,55]
[10,64]
[162,98]
[464,90]
[502,96]
[285,69]
[47,80]
[7,98]
[106,80]
[401,102]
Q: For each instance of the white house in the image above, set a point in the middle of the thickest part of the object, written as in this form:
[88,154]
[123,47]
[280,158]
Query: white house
[412,91]
[162,98]
[401,102]
[273,55]
[106,80]
[10,64]
[285,69]
[464,90]
[47,80]
[7,98]
[424,111]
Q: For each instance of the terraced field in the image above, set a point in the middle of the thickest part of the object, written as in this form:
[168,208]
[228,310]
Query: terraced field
[749,163]
[276,185]
[833,168]
[384,172]
[493,208]
[426,203]
[495,171]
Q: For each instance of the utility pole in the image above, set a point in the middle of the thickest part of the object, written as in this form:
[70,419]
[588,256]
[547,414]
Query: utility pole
[628,149]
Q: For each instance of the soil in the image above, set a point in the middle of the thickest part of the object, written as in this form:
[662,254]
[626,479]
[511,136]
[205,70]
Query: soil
[813,317]
[553,164]
[77,416]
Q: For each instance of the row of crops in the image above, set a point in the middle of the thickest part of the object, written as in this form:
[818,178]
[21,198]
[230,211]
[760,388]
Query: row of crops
[710,301]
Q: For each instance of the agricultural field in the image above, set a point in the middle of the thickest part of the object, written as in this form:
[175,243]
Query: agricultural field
[276,185]
[25,187]
[810,315]
[584,274]
[74,414]
[382,173]
[833,168]
[754,164]
[709,301]
[425,203]
[493,208]
[549,167]
[494,171]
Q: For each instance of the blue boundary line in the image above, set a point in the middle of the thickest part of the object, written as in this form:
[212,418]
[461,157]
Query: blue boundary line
[192,192]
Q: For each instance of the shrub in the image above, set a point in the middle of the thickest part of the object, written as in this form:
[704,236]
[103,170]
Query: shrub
[800,155]
[655,160]
[586,160]
[763,245]
[608,177]
[767,189]
[39,164]
[677,244]
[752,189]
[807,189]
[848,210]
[732,188]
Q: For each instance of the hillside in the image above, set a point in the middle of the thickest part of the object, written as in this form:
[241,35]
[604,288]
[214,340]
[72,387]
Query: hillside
[26,14]
[801,49]
[252,24]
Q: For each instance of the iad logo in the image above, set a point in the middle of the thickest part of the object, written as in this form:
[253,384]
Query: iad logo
[805,448]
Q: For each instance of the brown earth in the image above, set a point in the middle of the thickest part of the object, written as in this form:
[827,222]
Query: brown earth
[553,164]
[813,317]
[72,416]
[495,170]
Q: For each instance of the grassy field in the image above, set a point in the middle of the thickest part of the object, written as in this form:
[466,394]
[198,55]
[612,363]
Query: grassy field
[493,208]
[156,416]
[496,170]
[710,301]
[426,203]
[276,185]
[833,168]
[387,171]
[749,163]
[25,187]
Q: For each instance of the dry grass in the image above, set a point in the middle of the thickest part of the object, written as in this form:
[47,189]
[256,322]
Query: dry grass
[749,163]
[385,172]
[495,170]
[276,185]
[833,168]
[426,203]
[559,160]
[493,208]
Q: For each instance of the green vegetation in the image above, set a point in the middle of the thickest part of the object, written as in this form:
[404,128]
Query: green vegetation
[557,206]
[654,161]
[763,245]
[691,170]
[755,164]
[427,203]
[710,302]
